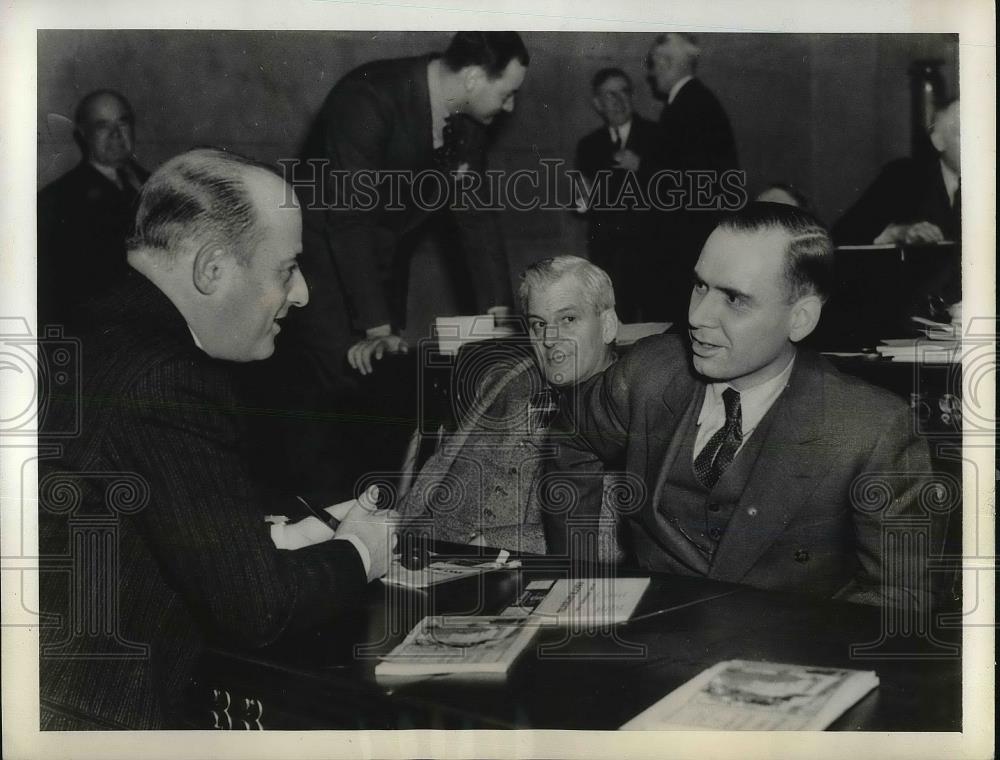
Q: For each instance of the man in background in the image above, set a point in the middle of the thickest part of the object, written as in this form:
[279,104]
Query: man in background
[84,216]
[161,465]
[759,458]
[482,486]
[913,201]
[429,112]
[619,237]
[697,137]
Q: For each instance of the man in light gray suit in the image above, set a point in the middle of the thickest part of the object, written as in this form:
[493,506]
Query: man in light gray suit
[481,486]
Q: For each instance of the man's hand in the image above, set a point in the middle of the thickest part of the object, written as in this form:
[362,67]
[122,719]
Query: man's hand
[627,159]
[376,529]
[920,233]
[360,355]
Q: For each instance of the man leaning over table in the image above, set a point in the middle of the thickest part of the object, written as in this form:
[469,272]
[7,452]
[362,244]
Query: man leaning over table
[763,464]
[213,273]
[482,484]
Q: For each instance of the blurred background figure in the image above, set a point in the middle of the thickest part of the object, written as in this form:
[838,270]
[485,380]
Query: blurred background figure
[619,237]
[85,215]
[697,137]
[782,192]
[916,201]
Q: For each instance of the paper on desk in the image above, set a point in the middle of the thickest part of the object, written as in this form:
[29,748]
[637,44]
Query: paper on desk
[440,571]
[467,644]
[580,601]
[742,695]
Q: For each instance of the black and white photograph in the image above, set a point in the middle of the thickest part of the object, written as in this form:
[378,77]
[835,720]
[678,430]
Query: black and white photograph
[522,380]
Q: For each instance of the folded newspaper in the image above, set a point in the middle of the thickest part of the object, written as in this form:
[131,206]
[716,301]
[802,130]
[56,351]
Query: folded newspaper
[579,601]
[743,695]
[447,644]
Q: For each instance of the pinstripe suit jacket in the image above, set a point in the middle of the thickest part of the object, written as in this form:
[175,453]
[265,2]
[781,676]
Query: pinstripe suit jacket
[151,530]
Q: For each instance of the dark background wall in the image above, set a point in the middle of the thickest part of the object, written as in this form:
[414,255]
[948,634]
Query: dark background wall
[822,111]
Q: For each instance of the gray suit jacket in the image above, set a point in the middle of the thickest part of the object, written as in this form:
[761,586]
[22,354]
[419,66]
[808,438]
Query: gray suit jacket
[483,478]
[839,474]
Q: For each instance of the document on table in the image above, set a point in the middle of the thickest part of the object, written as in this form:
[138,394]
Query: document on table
[580,601]
[743,695]
[470,644]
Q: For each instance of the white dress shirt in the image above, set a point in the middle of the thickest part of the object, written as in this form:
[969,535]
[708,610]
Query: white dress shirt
[677,88]
[623,131]
[754,404]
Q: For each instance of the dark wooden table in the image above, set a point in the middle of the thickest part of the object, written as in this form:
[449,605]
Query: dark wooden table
[587,680]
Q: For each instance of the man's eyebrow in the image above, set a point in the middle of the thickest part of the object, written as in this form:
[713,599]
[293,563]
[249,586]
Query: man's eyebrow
[731,292]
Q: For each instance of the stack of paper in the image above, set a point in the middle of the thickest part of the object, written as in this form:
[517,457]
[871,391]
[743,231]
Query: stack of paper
[741,695]
[473,644]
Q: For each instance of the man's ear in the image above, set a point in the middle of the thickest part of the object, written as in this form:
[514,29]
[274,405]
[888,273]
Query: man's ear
[472,77]
[211,262]
[805,316]
[609,326]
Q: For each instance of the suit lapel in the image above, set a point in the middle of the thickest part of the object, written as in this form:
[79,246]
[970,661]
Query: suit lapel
[789,461]
[680,546]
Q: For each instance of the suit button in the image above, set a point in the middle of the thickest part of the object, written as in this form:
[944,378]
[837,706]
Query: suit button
[715,534]
[513,471]
[489,513]
[713,507]
[801,555]
[752,511]
[499,489]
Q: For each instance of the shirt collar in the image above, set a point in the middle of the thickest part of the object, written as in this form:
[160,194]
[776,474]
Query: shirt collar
[195,338]
[106,171]
[677,88]
[754,402]
[951,181]
[623,131]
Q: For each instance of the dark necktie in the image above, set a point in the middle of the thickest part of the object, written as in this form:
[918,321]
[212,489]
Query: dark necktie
[542,408]
[721,447]
[444,156]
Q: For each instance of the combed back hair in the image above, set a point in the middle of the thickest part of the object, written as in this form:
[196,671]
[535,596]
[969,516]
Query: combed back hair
[492,50]
[198,197]
[595,281]
[809,255]
[83,107]
[611,72]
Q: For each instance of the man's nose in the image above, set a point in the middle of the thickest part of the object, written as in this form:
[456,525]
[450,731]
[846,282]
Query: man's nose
[299,293]
[702,310]
[550,335]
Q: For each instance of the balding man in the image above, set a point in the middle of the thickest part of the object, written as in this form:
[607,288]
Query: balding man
[212,273]
[913,201]
[84,216]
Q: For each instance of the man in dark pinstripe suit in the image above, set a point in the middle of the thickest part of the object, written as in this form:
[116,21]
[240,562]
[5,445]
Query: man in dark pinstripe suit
[185,555]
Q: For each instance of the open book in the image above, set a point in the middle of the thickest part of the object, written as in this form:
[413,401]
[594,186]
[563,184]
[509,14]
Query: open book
[579,601]
[447,644]
[742,695]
